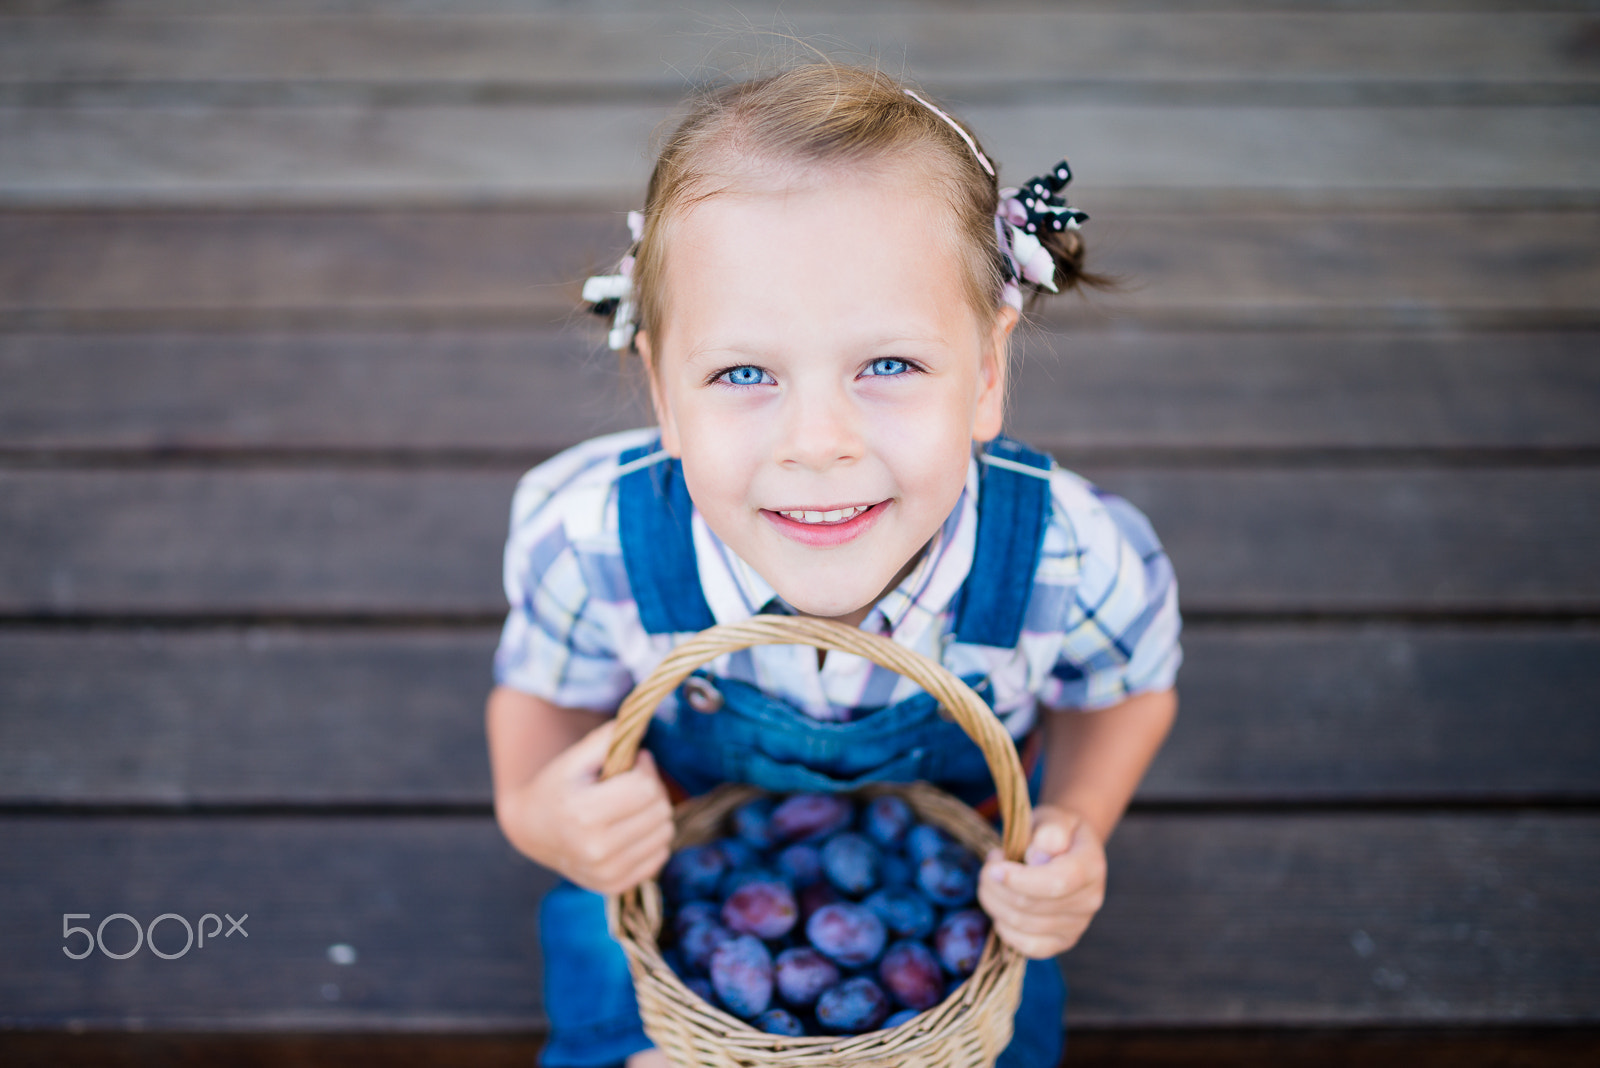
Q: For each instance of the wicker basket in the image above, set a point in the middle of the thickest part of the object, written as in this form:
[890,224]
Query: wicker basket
[971,1027]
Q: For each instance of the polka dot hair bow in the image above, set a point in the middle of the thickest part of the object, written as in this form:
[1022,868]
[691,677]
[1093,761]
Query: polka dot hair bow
[1036,208]
[612,294]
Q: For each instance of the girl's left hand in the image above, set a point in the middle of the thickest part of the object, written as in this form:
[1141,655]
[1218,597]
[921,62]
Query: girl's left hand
[1042,907]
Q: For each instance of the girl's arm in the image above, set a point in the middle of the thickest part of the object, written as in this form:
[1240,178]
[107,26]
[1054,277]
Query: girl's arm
[1093,764]
[551,805]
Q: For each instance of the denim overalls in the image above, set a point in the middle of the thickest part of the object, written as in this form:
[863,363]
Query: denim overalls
[747,736]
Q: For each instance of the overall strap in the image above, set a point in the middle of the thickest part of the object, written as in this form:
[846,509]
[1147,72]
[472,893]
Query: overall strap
[653,523]
[1013,512]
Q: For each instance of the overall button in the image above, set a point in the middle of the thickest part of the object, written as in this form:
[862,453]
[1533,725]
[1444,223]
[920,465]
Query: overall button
[702,696]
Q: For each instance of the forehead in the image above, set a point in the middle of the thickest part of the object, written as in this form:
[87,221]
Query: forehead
[835,253]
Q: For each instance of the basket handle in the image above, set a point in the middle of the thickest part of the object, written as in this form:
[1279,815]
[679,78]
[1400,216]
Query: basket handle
[966,707]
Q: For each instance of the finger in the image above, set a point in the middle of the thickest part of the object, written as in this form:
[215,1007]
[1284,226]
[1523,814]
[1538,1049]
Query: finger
[583,758]
[636,789]
[632,867]
[1050,840]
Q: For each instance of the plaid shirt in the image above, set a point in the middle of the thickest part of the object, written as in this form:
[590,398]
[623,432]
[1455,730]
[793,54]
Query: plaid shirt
[1102,622]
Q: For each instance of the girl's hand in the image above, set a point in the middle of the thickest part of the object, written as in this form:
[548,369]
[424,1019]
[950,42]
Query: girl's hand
[605,836]
[1041,908]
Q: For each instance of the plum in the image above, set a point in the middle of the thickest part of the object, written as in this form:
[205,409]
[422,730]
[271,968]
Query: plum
[801,864]
[700,940]
[779,1022]
[801,974]
[958,940]
[924,840]
[739,854]
[905,912]
[752,822]
[701,987]
[765,909]
[949,877]
[693,873]
[854,1006]
[741,974]
[694,912]
[847,933]
[886,820]
[895,870]
[810,817]
[850,861]
[910,972]
[815,896]
[903,1016]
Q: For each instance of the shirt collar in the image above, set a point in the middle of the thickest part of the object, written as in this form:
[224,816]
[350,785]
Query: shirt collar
[735,591]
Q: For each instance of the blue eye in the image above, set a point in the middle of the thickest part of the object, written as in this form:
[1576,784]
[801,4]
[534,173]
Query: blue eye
[888,365]
[746,376]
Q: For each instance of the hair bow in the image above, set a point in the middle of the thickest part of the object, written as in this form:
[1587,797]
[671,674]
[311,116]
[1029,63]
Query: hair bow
[1022,214]
[612,294]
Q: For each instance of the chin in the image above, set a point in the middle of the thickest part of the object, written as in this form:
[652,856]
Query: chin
[808,603]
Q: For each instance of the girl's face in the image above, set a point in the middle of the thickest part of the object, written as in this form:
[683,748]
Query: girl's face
[821,374]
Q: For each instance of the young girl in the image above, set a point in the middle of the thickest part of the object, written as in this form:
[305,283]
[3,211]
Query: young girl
[824,280]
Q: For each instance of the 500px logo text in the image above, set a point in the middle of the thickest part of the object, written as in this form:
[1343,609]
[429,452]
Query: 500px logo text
[142,935]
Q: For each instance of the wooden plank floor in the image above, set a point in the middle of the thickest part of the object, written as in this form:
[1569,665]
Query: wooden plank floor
[286,307]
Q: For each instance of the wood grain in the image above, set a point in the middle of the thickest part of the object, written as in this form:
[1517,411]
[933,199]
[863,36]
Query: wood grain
[538,391]
[1212,920]
[220,540]
[306,717]
[1351,269]
[605,50]
[341,154]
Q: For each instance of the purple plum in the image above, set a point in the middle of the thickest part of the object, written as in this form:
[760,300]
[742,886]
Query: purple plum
[886,820]
[903,1016]
[693,873]
[810,817]
[700,941]
[847,933]
[910,972]
[853,1007]
[752,822]
[779,1022]
[801,974]
[949,877]
[741,974]
[802,864]
[959,939]
[924,840]
[906,913]
[850,861]
[765,909]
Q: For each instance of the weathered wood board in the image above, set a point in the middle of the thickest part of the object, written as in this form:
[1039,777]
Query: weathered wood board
[223,540]
[537,391]
[415,268]
[305,717]
[1265,920]
[347,155]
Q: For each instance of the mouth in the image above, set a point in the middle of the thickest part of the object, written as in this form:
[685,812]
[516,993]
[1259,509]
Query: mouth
[821,528]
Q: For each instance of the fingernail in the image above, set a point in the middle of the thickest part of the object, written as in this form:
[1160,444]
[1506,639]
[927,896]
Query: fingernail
[995,874]
[1037,856]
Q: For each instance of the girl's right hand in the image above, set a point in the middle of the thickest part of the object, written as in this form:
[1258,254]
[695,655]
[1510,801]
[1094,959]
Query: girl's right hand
[606,836]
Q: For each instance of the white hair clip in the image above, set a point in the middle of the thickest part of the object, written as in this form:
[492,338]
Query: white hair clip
[612,294]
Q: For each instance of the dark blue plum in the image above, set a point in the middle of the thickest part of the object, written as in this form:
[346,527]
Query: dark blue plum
[886,820]
[694,912]
[765,909]
[853,1007]
[958,940]
[895,870]
[910,972]
[700,940]
[810,817]
[693,873]
[735,879]
[903,1016]
[850,861]
[778,1022]
[701,987]
[906,913]
[949,877]
[752,822]
[741,974]
[924,840]
[801,974]
[739,854]
[847,933]
[802,864]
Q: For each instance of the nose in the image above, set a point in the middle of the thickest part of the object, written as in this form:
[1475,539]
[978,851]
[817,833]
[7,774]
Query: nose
[819,429]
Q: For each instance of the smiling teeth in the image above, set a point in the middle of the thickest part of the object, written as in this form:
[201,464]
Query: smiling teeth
[834,515]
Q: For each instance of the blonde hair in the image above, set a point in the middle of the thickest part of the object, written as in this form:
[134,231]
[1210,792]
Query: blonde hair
[822,116]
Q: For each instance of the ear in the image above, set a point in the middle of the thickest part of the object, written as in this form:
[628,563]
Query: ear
[990,415]
[669,426]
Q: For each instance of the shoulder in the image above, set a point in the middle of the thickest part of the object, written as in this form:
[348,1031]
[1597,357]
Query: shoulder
[1085,520]
[575,489]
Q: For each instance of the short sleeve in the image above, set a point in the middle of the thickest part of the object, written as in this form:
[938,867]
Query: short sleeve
[561,580]
[1120,624]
